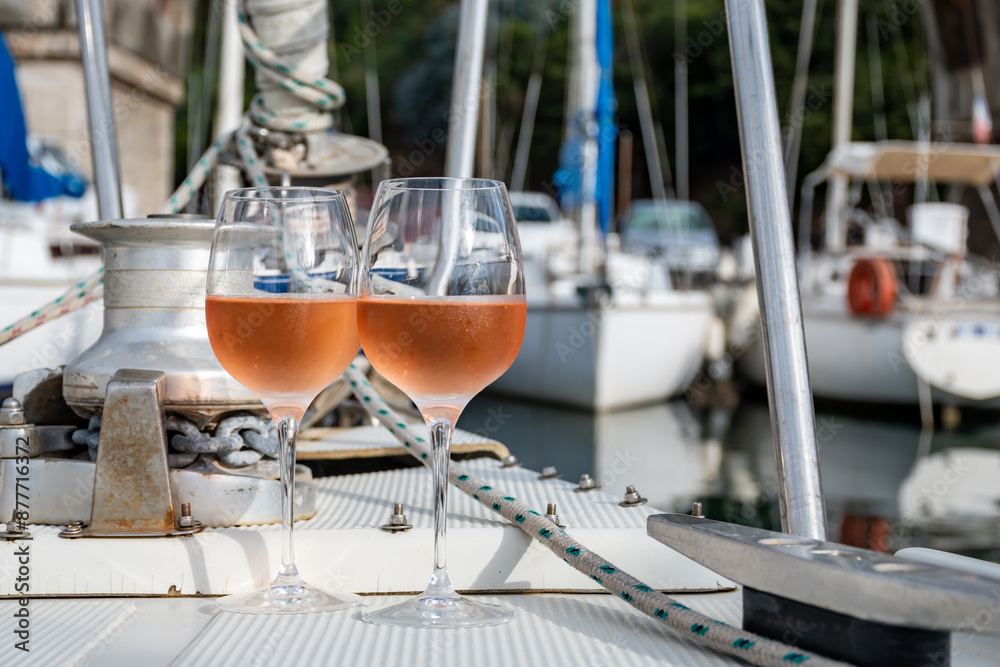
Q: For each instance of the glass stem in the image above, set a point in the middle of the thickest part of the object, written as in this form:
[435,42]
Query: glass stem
[440,431]
[288,429]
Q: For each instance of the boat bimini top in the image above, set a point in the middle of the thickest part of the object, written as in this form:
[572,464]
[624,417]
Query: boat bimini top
[910,161]
[907,162]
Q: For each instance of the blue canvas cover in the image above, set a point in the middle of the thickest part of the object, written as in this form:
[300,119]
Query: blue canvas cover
[22,179]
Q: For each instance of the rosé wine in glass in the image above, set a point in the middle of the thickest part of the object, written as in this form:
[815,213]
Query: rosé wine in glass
[441,314]
[281,310]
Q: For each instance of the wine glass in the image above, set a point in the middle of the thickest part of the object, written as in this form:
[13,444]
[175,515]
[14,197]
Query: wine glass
[441,314]
[281,311]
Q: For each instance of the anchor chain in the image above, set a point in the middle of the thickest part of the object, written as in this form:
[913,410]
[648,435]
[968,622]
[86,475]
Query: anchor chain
[238,441]
[228,442]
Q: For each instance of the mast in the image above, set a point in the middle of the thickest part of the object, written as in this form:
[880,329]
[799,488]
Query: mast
[465,87]
[793,140]
[229,112]
[649,140]
[530,108]
[793,421]
[843,107]
[104,146]
[681,99]
[585,74]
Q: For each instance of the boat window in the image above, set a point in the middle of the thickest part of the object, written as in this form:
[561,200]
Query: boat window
[74,249]
[523,213]
[671,217]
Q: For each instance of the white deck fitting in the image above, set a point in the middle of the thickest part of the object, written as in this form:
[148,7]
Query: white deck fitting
[342,548]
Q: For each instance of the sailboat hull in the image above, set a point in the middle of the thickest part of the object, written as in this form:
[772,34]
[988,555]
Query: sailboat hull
[607,358]
[868,360]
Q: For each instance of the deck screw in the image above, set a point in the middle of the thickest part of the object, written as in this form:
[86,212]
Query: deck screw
[587,483]
[550,514]
[510,461]
[550,472]
[11,412]
[186,520]
[397,522]
[74,529]
[696,510]
[14,526]
[632,498]
[15,529]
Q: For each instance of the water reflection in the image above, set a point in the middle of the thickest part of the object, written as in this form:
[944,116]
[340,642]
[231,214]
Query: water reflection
[886,485]
[659,449]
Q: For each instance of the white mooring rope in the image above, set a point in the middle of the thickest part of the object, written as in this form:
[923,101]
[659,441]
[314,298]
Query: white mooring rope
[719,636]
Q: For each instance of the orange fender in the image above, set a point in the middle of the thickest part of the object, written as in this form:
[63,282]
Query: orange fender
[872,287]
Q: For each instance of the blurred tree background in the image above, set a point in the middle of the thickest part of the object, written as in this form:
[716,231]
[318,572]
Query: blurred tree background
[415,45]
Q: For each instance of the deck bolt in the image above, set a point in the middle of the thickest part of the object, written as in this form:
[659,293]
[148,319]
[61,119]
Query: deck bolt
[510,461]
[550,514]
[632,498]
[696,510]
[587,483]
[11,412]
[397,522]
[14,526]
[74,529]
[186,520]
[550,472]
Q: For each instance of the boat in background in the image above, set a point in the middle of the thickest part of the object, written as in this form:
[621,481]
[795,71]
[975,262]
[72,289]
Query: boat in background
[630,341]
[583,329]
[40,259]
[907,315]
[606,328]
[678,231]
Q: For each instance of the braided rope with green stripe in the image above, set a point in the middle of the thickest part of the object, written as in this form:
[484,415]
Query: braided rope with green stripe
[322,93]
[87,290]
[724,638]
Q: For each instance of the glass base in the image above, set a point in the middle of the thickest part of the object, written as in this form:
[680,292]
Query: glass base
[439,611]
[295,597]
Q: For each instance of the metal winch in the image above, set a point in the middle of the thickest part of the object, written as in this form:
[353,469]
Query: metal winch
[152,372]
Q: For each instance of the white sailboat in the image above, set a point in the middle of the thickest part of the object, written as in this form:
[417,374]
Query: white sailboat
[40,260]
[906,316]
[591,308]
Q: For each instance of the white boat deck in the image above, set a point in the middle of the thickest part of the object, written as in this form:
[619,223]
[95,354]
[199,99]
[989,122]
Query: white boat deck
[108,603]
[548,629]
[343,548]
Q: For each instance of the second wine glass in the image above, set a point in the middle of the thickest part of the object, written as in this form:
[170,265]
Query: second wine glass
[441,314]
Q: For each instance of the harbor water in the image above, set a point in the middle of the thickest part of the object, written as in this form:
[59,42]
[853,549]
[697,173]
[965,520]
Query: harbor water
[888,483]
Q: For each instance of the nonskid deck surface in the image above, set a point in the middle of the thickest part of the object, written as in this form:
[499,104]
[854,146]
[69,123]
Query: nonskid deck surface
[548,629]
[343,548]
